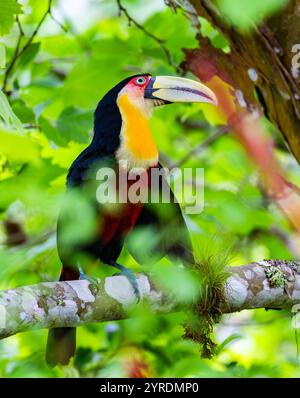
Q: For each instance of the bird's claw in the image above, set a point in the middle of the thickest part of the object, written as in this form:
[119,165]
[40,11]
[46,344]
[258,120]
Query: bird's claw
[82,276]
[131,278]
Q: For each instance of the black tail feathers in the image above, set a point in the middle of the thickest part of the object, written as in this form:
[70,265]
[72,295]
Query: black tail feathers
[61,346]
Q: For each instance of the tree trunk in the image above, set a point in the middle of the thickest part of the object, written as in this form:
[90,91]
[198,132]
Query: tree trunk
[260,62]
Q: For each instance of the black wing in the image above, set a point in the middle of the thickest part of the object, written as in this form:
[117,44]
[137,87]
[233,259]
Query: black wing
[80,205]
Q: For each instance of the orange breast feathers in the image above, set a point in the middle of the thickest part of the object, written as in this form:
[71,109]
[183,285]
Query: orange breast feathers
[137,144]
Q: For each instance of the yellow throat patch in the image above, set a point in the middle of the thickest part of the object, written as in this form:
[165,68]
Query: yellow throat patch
[137,144]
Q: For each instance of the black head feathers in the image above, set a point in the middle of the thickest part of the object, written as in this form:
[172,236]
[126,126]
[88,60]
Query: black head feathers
[107,119]
[106,140]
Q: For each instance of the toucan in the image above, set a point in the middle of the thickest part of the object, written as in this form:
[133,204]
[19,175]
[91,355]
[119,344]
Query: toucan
[122,133]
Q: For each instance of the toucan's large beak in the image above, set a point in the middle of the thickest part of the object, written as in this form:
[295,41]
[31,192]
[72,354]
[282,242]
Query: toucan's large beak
[178,89]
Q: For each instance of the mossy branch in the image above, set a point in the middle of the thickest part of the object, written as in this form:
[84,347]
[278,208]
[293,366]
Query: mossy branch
[75,303]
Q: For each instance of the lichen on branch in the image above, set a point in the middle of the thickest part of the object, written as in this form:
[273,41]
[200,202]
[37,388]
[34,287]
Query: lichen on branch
[76,303]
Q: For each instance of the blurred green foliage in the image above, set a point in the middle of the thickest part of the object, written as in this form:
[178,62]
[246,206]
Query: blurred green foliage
[8,11]
[53,88]
[245,14]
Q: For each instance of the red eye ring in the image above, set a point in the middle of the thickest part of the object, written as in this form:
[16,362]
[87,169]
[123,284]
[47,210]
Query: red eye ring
[140,81]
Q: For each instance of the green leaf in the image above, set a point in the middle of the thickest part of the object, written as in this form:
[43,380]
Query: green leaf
[246,14]
[19,148]
[51,132]
[74,124]
[217,39]
[29,54]
[77,229]
[7,114]
[23,112]
[227,341]
[2,56]
[187,285]
[7,14]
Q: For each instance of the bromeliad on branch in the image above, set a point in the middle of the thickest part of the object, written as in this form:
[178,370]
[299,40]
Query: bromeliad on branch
[122,133]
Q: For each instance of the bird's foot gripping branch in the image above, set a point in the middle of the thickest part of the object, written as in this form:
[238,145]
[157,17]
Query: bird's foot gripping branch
[80,302]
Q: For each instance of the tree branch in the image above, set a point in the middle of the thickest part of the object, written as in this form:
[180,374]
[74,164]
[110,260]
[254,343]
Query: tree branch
[159,41]
[14,57]
[18,52]
[268,284]
[219,132]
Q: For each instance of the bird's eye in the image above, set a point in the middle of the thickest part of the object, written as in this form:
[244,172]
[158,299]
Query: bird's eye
[140,81]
